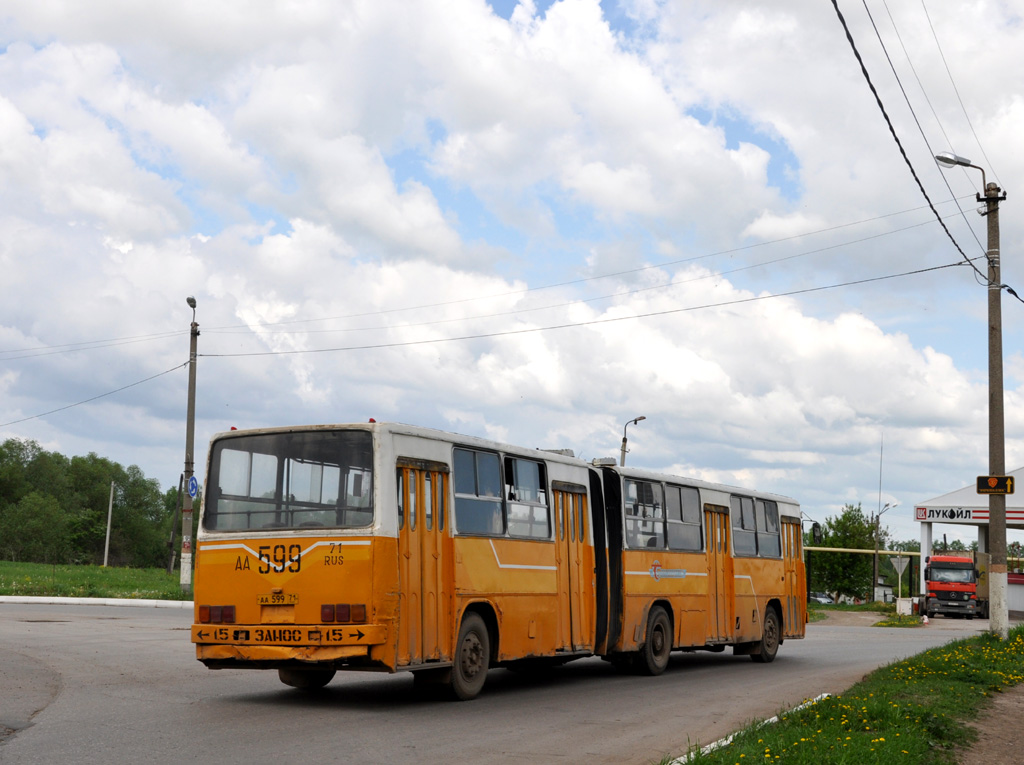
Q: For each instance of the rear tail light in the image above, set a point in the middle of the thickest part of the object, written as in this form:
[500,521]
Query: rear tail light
[343,613]
[216,614]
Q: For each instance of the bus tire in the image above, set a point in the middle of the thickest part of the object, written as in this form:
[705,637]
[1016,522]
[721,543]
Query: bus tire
[653,658]
[768,647]
[472,658]
[306,679]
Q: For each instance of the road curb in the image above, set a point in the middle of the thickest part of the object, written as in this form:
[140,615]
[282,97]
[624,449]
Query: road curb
[137,602]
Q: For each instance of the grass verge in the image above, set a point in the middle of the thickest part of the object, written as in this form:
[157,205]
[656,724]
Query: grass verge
[912,711]
[88,581]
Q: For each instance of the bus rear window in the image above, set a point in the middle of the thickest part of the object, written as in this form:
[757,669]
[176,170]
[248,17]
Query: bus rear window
[291,480]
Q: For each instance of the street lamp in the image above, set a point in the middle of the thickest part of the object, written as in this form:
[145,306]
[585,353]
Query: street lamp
[634,421]
[874,581]
[1000,622]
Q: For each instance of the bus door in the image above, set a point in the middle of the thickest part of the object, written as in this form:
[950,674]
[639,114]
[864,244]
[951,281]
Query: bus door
[575,578]
[423,597]
[792,554]
[720,574]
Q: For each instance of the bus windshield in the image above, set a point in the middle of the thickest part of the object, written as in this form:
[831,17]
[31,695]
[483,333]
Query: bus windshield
[290,480]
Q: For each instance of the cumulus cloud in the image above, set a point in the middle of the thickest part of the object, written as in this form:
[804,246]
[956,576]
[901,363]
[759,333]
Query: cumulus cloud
[372,202]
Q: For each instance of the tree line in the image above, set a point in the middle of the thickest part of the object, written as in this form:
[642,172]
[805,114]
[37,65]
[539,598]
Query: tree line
[53,509]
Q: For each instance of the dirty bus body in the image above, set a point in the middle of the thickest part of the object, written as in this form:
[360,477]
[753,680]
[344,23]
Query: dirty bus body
[699,566]
[395,548]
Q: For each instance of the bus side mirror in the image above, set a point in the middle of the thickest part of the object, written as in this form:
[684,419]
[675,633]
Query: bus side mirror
[816,534]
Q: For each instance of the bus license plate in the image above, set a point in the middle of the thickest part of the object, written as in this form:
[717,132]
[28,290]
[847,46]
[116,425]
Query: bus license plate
[277,599]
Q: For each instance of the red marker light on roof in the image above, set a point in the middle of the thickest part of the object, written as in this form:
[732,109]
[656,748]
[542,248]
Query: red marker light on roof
[372,420]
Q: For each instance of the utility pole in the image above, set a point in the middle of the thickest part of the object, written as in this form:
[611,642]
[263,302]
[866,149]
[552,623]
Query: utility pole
[190,436]
[874,581]
[110,515]
[999,617]
[999,621]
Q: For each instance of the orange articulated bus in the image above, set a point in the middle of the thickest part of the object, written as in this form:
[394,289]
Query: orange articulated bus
[389,547]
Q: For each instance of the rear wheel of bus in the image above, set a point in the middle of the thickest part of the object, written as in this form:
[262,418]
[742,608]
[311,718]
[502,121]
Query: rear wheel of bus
[653,658]
[769,645]
[472,658]
[306,679]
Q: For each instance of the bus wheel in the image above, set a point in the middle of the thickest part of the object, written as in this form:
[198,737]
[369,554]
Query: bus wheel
[655,652]
[472,658]
[306,679]
[769,645]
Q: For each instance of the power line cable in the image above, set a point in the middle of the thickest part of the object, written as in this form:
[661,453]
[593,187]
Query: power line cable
[94,398]
[89,345]
[892,128]
[910,106]
[592,322]
[623,293]
[49,350]
[956,90]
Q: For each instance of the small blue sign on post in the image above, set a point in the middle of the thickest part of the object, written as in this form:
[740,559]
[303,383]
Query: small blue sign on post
[193,487]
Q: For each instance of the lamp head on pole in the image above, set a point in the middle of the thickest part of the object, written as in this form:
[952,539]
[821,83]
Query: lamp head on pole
[949,159]
[192,304]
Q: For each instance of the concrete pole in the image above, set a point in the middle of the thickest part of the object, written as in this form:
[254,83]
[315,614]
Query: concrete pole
[190,434]
[999,621]
[110,514]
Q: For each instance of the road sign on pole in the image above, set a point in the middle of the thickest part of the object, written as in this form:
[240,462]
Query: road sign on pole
[995,484]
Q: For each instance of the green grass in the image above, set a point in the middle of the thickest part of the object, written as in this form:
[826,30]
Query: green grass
[89,581]
[912,711]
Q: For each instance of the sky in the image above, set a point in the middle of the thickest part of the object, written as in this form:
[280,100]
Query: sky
[528,221]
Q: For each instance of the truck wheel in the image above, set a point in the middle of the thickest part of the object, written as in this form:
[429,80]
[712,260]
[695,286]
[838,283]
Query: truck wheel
[653,658]
[769,639]
[306,679]
[472,658]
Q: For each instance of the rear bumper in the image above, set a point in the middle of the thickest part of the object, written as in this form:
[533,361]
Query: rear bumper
[268,645]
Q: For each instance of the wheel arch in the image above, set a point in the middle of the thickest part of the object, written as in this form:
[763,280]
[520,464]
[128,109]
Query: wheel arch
[485,610]
[669,611]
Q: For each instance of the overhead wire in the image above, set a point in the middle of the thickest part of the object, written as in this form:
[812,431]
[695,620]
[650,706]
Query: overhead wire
[956,90]
[895,135]
[910,106]
[571,282]
[56,349]
[597,298]
[95,398]
[591,322]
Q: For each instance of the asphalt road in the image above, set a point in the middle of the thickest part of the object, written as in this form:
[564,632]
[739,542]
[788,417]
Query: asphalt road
[113,684]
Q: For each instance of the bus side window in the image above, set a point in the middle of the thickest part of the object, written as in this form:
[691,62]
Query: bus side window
[478,503]
[528,514]
[768,543]
[744,534]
